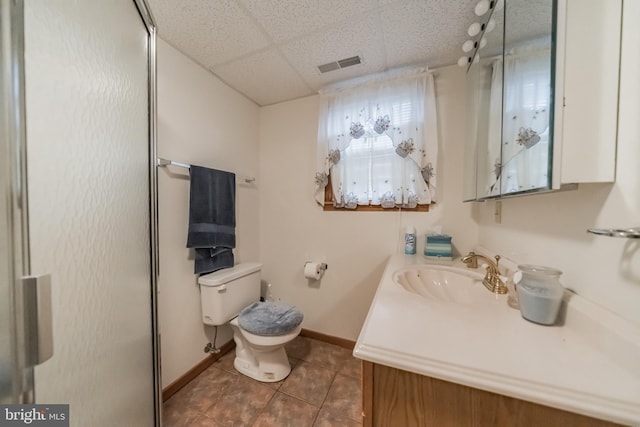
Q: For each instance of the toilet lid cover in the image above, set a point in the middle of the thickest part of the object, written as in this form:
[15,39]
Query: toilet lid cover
[269,318]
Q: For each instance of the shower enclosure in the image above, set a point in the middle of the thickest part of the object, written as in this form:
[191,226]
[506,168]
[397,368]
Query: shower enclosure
[77,209]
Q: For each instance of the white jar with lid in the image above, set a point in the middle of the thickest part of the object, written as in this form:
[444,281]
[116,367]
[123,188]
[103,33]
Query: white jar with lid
[539,293]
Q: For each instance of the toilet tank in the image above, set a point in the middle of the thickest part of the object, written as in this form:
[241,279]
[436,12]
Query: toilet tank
[225,292]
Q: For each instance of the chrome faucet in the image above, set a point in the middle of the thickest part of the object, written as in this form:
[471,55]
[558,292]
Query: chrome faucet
[492,280]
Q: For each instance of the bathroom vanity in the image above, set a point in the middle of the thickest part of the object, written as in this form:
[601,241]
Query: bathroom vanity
[393,397]
[452,353]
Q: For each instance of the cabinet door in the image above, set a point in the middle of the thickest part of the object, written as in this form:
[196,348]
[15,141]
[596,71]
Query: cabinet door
[589,96]
[401,398]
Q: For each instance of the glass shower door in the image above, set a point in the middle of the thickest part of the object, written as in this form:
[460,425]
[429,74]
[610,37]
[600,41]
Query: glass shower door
[15,382]
[7,392]
[6,358]
[87,112]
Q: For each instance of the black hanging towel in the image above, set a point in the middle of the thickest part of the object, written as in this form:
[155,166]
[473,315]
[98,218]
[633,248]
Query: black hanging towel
[212,218]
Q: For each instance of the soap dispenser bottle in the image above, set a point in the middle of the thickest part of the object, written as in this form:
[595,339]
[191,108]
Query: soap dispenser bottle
[410,241]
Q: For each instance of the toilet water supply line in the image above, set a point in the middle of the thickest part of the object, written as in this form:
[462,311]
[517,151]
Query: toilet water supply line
[211,347]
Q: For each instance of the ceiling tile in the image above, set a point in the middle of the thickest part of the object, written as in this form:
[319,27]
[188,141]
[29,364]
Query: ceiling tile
[362,37]
[264,77]
[285,20]
[270,49]
[211,32]
[532,21]
[426,32]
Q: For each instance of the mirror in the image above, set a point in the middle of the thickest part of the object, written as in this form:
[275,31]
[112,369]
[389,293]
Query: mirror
[528,87]
[510,113]
[484,112]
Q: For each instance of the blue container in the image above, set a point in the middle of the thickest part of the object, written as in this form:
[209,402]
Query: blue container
[438,246]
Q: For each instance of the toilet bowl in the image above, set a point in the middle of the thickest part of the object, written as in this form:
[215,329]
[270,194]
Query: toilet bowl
[260,329]
[262,358]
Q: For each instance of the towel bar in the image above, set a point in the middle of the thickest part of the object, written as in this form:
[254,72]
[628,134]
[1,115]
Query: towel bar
[166,162]
[628,233]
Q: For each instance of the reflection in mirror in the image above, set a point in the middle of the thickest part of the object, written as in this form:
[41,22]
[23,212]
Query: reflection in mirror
[525,142]
[484,112]
[509,107]
[526,126]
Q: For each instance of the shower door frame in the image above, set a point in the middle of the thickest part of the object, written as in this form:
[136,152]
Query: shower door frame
[13,166]
[13,170]
[150,24]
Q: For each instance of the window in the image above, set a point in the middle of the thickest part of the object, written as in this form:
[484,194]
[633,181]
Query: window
[377,146]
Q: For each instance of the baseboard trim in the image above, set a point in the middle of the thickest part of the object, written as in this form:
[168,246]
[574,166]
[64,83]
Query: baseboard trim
[192,373]
[342,342]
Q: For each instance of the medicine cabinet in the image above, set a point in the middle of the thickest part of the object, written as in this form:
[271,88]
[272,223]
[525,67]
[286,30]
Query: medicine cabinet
[542,97]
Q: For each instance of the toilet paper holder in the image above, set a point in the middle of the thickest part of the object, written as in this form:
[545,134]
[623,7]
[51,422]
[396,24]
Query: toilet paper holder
[323,265]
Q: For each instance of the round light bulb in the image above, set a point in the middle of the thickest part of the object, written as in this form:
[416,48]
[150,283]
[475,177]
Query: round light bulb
[483,42]
[476,59]
[474,29]
[463,61]
[491,25]
[482,7]
[468,46]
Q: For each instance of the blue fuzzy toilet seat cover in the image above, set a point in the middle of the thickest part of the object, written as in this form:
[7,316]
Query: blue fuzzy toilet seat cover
[269,318]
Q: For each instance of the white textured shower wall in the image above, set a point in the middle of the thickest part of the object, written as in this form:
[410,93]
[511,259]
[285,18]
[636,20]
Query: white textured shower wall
[200,121]
[87,150]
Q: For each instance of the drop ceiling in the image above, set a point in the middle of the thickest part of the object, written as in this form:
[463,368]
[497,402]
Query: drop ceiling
[270,50]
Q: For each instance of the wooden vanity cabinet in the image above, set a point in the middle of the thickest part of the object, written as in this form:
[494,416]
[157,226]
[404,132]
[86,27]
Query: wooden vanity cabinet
[393,397]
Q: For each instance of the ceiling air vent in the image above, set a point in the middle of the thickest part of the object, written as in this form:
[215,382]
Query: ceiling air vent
[343,63]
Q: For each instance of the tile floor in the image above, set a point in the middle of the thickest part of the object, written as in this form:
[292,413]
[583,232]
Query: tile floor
[322,390]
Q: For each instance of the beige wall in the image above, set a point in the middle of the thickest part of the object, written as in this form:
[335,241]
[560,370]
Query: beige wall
[204,122]
[355,245]
[551,229]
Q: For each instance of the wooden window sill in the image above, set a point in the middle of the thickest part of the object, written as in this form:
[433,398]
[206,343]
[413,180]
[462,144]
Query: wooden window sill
[372,208]
[328,204]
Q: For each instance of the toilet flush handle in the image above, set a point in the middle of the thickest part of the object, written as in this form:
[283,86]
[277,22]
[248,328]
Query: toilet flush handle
[222,289]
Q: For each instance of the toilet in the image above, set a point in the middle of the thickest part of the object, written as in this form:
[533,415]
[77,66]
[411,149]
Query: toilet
[260,329]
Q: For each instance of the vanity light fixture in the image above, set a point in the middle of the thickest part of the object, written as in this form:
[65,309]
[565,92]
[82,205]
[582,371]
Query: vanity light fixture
[474,29]
[468,46]
[482,7]
[464,61]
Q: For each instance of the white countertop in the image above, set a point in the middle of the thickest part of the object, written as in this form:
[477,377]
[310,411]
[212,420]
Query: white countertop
[589,365]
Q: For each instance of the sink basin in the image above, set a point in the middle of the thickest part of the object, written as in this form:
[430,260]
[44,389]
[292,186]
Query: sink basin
[438,320]
[441,283]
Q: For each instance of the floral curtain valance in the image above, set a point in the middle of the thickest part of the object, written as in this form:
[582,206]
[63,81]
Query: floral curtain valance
[379,143]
